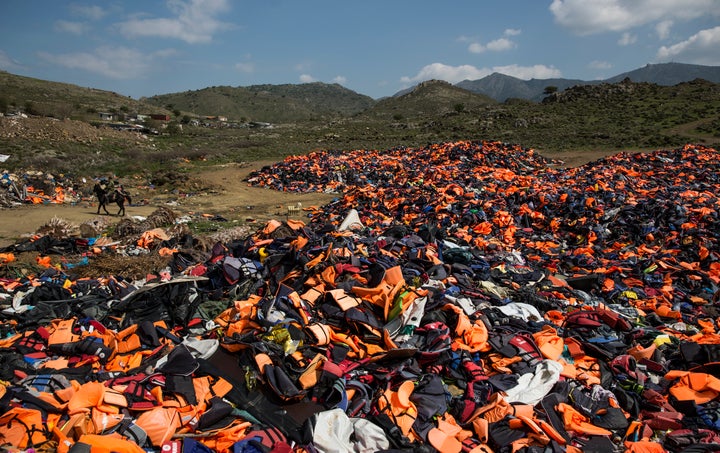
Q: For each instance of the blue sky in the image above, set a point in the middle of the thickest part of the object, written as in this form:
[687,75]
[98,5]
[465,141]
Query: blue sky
[143,48]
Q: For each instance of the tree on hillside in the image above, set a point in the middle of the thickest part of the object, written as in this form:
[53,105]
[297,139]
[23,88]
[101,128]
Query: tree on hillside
[62,111]
[153,124]
[173,128]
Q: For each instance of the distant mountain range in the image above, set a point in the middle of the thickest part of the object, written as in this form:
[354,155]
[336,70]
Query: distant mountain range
[502,87]
[320,101]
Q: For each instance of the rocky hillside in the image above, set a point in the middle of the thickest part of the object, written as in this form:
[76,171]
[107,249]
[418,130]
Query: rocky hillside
[268,103]
[502,87]
[51,130]
[67,145]
[64,100]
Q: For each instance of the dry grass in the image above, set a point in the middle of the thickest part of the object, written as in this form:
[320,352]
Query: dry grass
[130,267]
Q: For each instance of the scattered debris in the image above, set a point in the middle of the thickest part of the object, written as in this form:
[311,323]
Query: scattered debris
[458,297]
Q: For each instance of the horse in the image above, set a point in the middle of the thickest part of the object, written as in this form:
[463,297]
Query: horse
[113,197]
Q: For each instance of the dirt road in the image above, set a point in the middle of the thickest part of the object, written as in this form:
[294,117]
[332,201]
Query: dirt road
[229,197]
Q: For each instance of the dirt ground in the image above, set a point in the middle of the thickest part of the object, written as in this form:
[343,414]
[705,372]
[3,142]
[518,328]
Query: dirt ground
[230,198]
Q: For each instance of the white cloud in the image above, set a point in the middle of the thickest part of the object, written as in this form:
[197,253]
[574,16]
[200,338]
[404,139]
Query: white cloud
[700,48]
[89,12]
[194,21]
[499,45]
[476,47]
[112,62]
[663,29]
[247,68]
[538,71]
[596,64]
[340,80]
[587,17]
[306,78]
[75,28]
[452,74]
[496,45]
[627,39]
[455,74]
[7,63]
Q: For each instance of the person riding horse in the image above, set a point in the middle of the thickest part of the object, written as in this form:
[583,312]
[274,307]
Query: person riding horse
[107,192]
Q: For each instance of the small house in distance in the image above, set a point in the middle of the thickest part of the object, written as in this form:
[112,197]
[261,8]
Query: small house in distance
[160,117]
[218,118]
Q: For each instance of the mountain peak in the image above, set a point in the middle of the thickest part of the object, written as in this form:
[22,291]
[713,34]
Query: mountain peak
[502,87]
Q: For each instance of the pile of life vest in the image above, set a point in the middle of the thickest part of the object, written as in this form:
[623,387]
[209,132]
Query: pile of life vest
[462,297]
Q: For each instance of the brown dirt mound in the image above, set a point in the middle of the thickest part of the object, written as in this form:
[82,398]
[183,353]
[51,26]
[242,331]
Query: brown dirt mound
[54,131]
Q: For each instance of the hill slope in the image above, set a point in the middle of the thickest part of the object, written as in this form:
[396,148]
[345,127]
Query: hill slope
[669,74]
[427,99]
[269,103]
[63,100]
[502,87]
[602,116]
